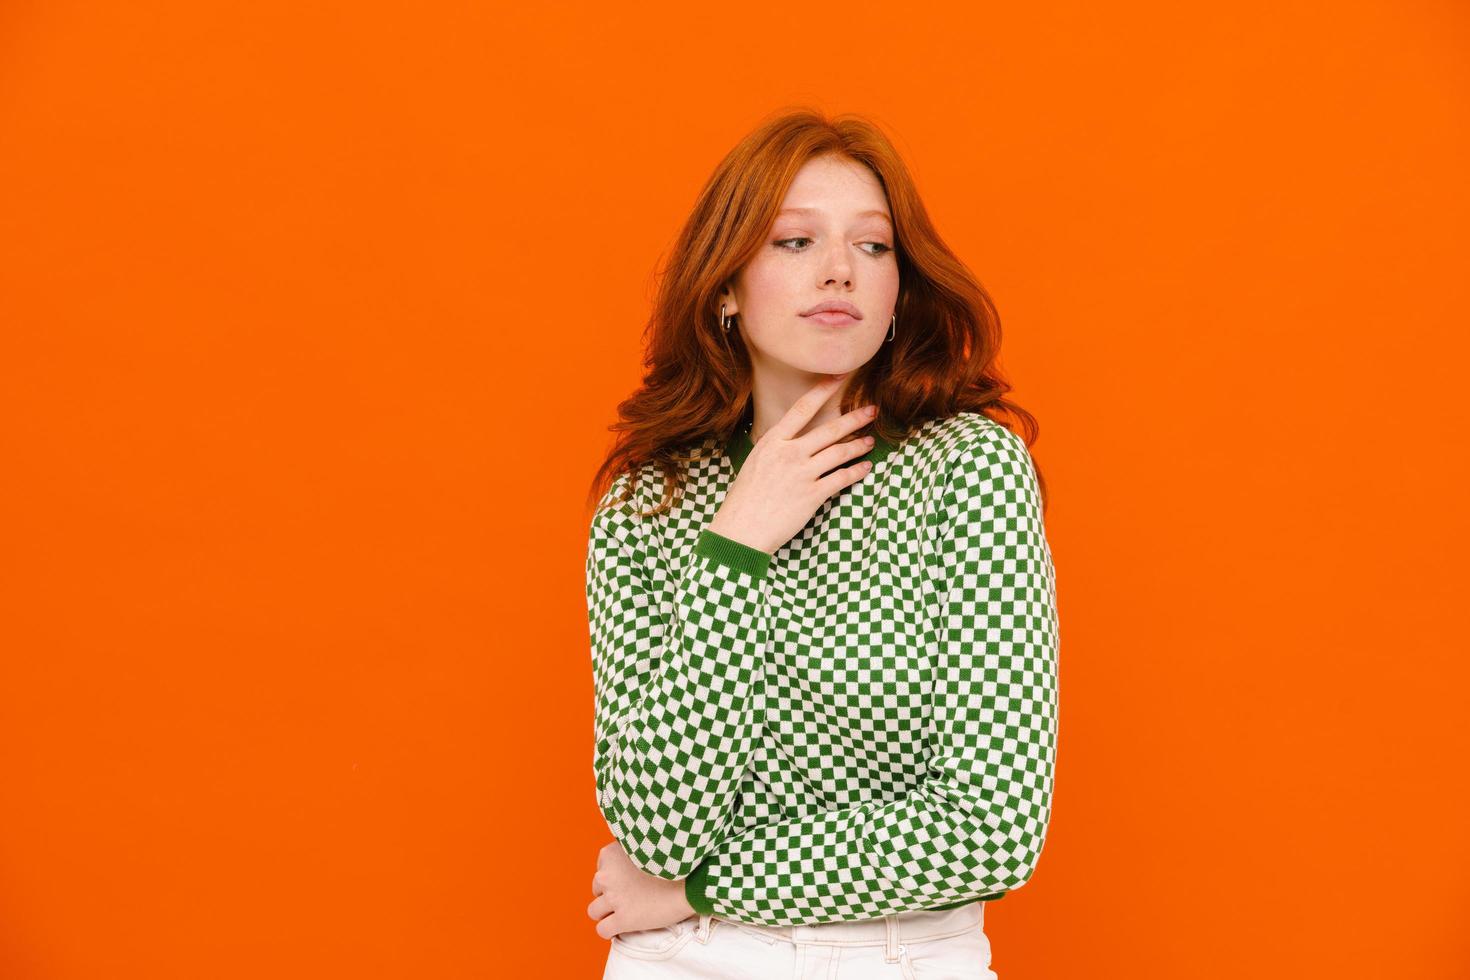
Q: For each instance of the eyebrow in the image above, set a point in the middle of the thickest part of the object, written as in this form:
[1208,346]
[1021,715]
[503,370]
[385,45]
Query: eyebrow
[861,214]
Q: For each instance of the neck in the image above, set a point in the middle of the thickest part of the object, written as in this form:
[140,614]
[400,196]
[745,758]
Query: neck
[773,396]
[741,442]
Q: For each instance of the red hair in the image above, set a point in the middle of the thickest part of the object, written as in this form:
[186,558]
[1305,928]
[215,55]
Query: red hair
[697,383]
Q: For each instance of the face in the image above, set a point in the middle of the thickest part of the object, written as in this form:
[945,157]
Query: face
[832,241]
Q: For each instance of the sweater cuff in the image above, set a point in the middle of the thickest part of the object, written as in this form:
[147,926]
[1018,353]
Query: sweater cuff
[694,889]
[738,555]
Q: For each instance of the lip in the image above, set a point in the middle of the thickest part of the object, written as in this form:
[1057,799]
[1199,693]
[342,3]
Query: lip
[835,318]
[836,306]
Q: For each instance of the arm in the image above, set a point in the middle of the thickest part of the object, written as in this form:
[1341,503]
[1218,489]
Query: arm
[975,826]
[675,719]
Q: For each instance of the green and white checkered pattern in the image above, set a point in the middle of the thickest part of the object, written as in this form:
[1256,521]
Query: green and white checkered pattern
[861,724]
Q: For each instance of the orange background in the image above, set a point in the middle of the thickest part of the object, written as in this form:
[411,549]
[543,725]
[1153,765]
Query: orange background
[314,317]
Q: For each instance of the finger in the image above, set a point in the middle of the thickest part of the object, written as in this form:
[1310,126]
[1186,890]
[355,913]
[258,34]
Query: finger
[609,926]
[832,430]
[843,476]
[805,408]
[599,907]
[840,452]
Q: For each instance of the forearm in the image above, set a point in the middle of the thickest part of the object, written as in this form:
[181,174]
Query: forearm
[677,713]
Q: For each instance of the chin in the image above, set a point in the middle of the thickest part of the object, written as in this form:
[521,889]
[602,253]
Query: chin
[817,358]
[833,362]
[828,365]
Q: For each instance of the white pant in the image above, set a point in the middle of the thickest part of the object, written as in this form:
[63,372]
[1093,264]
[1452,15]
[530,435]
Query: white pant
[947,945]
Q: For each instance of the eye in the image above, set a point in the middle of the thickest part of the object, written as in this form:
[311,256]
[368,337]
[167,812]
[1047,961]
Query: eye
[881,249]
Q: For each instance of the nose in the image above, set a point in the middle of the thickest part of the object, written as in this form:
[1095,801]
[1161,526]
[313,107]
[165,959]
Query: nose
[838,265]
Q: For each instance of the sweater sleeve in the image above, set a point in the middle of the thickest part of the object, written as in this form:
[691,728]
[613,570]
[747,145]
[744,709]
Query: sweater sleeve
[975,826]
[675,718]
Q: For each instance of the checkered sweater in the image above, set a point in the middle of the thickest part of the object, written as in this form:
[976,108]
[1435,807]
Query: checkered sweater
[862,723]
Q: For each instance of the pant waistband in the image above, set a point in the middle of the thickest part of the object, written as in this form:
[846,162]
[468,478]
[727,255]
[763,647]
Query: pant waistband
[890,930]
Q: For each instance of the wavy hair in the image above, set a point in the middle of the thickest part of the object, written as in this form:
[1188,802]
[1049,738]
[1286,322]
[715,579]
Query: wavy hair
[697,382]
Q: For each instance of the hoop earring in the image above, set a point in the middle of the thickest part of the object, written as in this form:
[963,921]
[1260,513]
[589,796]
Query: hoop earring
[724,320]
[893,327]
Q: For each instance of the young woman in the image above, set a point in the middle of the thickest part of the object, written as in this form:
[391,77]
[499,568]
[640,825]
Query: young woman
[820,596]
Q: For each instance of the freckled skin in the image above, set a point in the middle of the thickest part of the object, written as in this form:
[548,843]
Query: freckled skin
[837,256]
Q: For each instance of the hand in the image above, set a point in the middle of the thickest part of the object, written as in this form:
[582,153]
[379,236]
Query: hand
[629,898]
[780,483]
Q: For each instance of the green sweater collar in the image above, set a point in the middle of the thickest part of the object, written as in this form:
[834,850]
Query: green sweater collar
[738,446]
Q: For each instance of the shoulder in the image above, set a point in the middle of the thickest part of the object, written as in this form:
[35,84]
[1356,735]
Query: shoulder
[984,459]
[619,511]
[967,439]
[695,470]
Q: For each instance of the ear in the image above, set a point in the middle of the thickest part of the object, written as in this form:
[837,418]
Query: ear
[727,299]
